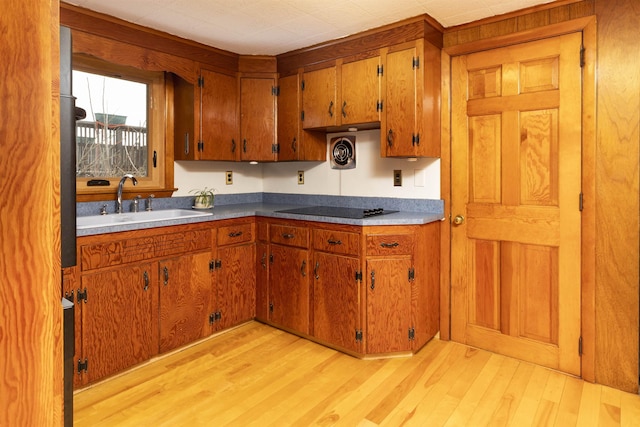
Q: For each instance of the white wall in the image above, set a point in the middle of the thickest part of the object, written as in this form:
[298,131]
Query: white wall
[372,176]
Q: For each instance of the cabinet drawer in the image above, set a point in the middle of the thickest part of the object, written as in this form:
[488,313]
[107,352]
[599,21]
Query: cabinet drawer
[390,244]
[338,242]
[233,234]
[289,235]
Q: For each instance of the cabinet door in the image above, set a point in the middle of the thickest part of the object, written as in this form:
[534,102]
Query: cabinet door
[336,300]
[185,132]
[289,118]
[400,103]
[218,116]
[289,288]
[319,98]
[236,281]
[388,305]
[360,86]
[185,291]
[257,118]
[262,281]
[119,318]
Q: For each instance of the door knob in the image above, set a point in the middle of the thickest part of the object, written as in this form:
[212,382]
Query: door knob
[459,219]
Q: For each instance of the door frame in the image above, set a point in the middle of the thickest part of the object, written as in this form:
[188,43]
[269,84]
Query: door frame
[587,26]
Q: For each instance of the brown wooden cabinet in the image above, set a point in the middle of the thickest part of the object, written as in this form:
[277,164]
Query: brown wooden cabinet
[294,143]
[289,273]
[235,275]
[410,125]
[347,93]
[336,289]
[262,270]
[185,293]
[258,118]
[119,319]
[206,118]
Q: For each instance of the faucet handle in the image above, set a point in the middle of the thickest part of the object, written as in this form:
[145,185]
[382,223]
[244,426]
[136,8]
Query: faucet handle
[103,210]
[149,201]
[136,203]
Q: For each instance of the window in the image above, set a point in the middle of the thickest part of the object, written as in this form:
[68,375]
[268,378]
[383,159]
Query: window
[124,128]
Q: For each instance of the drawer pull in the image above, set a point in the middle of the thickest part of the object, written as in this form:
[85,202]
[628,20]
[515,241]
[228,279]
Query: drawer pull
[334,242]
[235,234]
[315,270]
[146,281]
[389,245]
[303,268]
[288,236]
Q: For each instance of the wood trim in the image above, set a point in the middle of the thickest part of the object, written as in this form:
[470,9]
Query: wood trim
[113,28]
[520,37]
[589,195]
[526,19]
[445,194]
[415,28]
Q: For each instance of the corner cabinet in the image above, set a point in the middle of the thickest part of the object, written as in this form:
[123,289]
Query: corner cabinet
[258,118]
[362,290]
[410,124]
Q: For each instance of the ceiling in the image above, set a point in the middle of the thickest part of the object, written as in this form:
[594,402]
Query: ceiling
[272,27]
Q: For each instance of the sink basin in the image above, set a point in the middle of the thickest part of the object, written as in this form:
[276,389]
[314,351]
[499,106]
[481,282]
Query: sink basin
[95,221]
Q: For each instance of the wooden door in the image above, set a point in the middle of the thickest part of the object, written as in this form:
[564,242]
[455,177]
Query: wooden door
[218,116]
[289,288]
[516,175]
[257,118]
[289,118]
[119,318]
[262,281]
[319,98]
[185,292]
[336,300]
[236,285]
[388,305]
[400,102]
[360,88]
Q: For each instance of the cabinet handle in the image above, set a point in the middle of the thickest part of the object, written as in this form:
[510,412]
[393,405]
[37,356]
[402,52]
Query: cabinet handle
[315,270]
[233,145]
[334,242]
[145,276]
[186,143]
[235,234]
[166,275]
[331,109]
[344,112]
[294,145]
[390,138]
[263,261]
[244,145]
[373,279]
[303,268]
[389,245]
[288,236]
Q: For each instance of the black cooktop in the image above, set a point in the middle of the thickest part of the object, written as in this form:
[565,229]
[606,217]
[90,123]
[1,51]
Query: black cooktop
[338,212]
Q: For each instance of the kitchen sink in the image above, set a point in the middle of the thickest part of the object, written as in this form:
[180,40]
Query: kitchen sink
[95,221]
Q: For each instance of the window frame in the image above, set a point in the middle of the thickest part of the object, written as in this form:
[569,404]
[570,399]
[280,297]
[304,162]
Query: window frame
[156,180]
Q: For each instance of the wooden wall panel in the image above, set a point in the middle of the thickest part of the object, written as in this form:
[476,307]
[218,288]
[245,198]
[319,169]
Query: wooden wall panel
[617,224]
[30,295]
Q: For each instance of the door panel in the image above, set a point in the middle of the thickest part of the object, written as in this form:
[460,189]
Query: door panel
[516,179]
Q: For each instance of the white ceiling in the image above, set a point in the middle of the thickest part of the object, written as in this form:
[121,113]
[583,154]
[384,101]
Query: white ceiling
[271,27]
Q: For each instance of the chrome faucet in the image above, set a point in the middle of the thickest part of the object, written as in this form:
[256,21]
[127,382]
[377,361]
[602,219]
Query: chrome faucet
[120,185]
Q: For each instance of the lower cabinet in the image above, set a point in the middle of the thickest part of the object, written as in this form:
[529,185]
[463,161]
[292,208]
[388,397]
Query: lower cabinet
[185,293]
[289,288]
[119,319]
[235,283]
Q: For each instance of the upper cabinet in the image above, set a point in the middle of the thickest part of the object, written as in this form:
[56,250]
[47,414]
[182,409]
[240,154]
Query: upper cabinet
[347,93]
[206,118]
[410,125]
[258,118]
[294,143]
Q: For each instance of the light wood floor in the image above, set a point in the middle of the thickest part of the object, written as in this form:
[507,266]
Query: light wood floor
[258,375]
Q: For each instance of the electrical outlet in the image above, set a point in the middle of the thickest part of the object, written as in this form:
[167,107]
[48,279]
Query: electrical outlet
[300,177]
[229,177]
[397,178]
